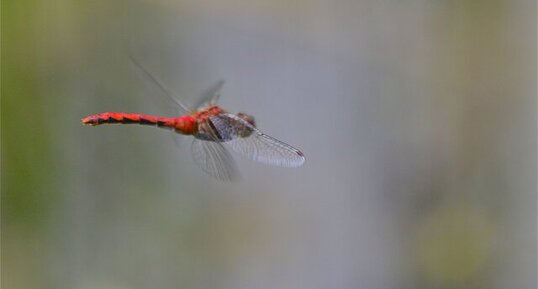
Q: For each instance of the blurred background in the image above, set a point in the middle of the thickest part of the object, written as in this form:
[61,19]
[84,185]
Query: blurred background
[417,119]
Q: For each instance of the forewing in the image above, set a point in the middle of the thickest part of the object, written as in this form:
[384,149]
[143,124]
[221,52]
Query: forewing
[159,84]
[250,142]
[210,96]
[214,159]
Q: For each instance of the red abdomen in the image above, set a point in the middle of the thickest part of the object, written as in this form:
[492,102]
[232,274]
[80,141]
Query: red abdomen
[183,124]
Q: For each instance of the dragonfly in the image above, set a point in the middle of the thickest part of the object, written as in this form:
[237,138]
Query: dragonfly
[214,130]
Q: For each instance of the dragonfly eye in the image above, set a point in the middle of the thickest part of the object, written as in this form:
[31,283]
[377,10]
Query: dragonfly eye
[246,131]
[247,118]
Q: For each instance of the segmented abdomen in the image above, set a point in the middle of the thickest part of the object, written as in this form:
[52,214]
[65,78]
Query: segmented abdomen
[127,118]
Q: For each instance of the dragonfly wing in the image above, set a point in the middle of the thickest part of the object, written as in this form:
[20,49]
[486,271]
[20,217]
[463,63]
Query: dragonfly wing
[214,159]
[211,95]
[250,142]
[159,84]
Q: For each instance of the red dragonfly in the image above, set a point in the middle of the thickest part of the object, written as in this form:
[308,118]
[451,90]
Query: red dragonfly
[212,127]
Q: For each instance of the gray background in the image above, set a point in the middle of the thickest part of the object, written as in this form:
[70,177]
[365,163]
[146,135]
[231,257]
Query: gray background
[417,119]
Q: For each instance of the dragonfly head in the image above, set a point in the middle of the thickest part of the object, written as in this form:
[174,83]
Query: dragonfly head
[245,132]
[248,118]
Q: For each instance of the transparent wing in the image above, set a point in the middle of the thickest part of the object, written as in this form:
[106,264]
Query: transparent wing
[214,159]
[211,95]
[248,141]
[159,84]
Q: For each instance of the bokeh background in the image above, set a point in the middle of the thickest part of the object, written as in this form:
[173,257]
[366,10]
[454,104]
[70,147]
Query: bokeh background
[417,118]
